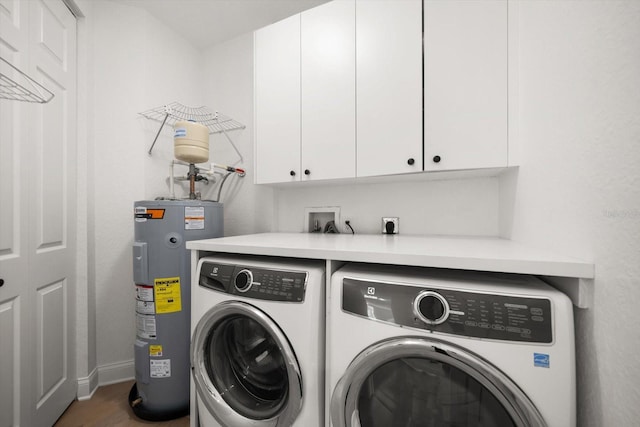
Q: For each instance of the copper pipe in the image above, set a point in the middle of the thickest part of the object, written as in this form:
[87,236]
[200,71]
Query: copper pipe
[192,186]
[192,181]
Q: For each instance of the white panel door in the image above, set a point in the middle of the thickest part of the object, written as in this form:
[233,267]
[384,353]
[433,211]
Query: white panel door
[328,91]
[51,277]
[389,86]
[37,217]
[14,309]
[465,84]
[277,101]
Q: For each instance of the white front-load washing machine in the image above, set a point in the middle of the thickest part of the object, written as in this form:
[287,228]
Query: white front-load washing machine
[423,347]
[258,337]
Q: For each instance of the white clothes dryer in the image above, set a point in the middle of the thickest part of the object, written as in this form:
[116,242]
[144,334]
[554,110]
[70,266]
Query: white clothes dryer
[424,347]
[258,339]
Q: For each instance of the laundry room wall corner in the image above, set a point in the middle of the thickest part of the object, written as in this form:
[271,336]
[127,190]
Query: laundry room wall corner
[87,371]
[137,63]
[576,191]
[228,86]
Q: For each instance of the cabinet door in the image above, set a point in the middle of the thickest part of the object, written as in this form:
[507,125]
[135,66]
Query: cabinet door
[328,91]
[465,84]
[277,102]
[389,89]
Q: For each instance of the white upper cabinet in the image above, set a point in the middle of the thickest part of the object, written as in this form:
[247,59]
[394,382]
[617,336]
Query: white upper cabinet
[277,101]
[328,91]
[465,84]
[389,86]
[358,88]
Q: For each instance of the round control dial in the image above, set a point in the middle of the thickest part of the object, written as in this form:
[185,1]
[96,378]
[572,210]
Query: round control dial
[243,280]
[431,307]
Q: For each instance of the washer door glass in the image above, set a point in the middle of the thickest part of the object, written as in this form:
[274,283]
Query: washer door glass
[424,382]
[412,392]
[244,368]
[242,358]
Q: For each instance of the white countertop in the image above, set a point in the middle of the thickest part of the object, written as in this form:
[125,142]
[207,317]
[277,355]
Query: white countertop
[464,253]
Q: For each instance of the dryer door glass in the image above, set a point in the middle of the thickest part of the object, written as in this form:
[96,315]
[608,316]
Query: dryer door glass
[416,392]
[424,382]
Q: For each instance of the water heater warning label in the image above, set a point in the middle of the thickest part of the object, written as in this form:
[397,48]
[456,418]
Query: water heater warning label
[145,326]
[167,295]
[194,218]
[145,307]
[160,368]
[155,350]
[144,293]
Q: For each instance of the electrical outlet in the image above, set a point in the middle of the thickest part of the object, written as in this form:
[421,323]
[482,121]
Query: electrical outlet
[390,225]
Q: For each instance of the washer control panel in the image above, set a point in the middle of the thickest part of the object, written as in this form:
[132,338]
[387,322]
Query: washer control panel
[457,312]
[252,282]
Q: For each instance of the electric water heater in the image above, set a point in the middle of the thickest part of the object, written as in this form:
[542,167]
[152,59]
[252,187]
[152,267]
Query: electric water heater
[162,277]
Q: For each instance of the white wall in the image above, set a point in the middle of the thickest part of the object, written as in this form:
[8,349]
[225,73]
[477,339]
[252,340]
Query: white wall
[228,88]
[136,64]
[447,207]
[578,189]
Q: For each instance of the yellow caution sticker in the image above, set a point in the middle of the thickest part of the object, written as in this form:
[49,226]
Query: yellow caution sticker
[167,295]
[155,350]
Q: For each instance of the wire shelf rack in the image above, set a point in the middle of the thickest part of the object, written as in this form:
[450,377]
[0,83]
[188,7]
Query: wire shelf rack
[174,112]
[21,87]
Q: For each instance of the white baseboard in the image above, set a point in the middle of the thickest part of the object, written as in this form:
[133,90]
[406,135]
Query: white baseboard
[104,375]
[116,372]
[88,385]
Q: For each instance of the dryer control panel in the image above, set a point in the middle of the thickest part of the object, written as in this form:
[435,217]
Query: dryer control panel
[252,282]
[450,311]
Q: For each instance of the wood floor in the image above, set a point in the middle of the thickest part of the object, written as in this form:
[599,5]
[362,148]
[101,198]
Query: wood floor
[109,407]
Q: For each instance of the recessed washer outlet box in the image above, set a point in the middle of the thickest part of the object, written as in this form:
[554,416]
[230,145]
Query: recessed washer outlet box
[317,218]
